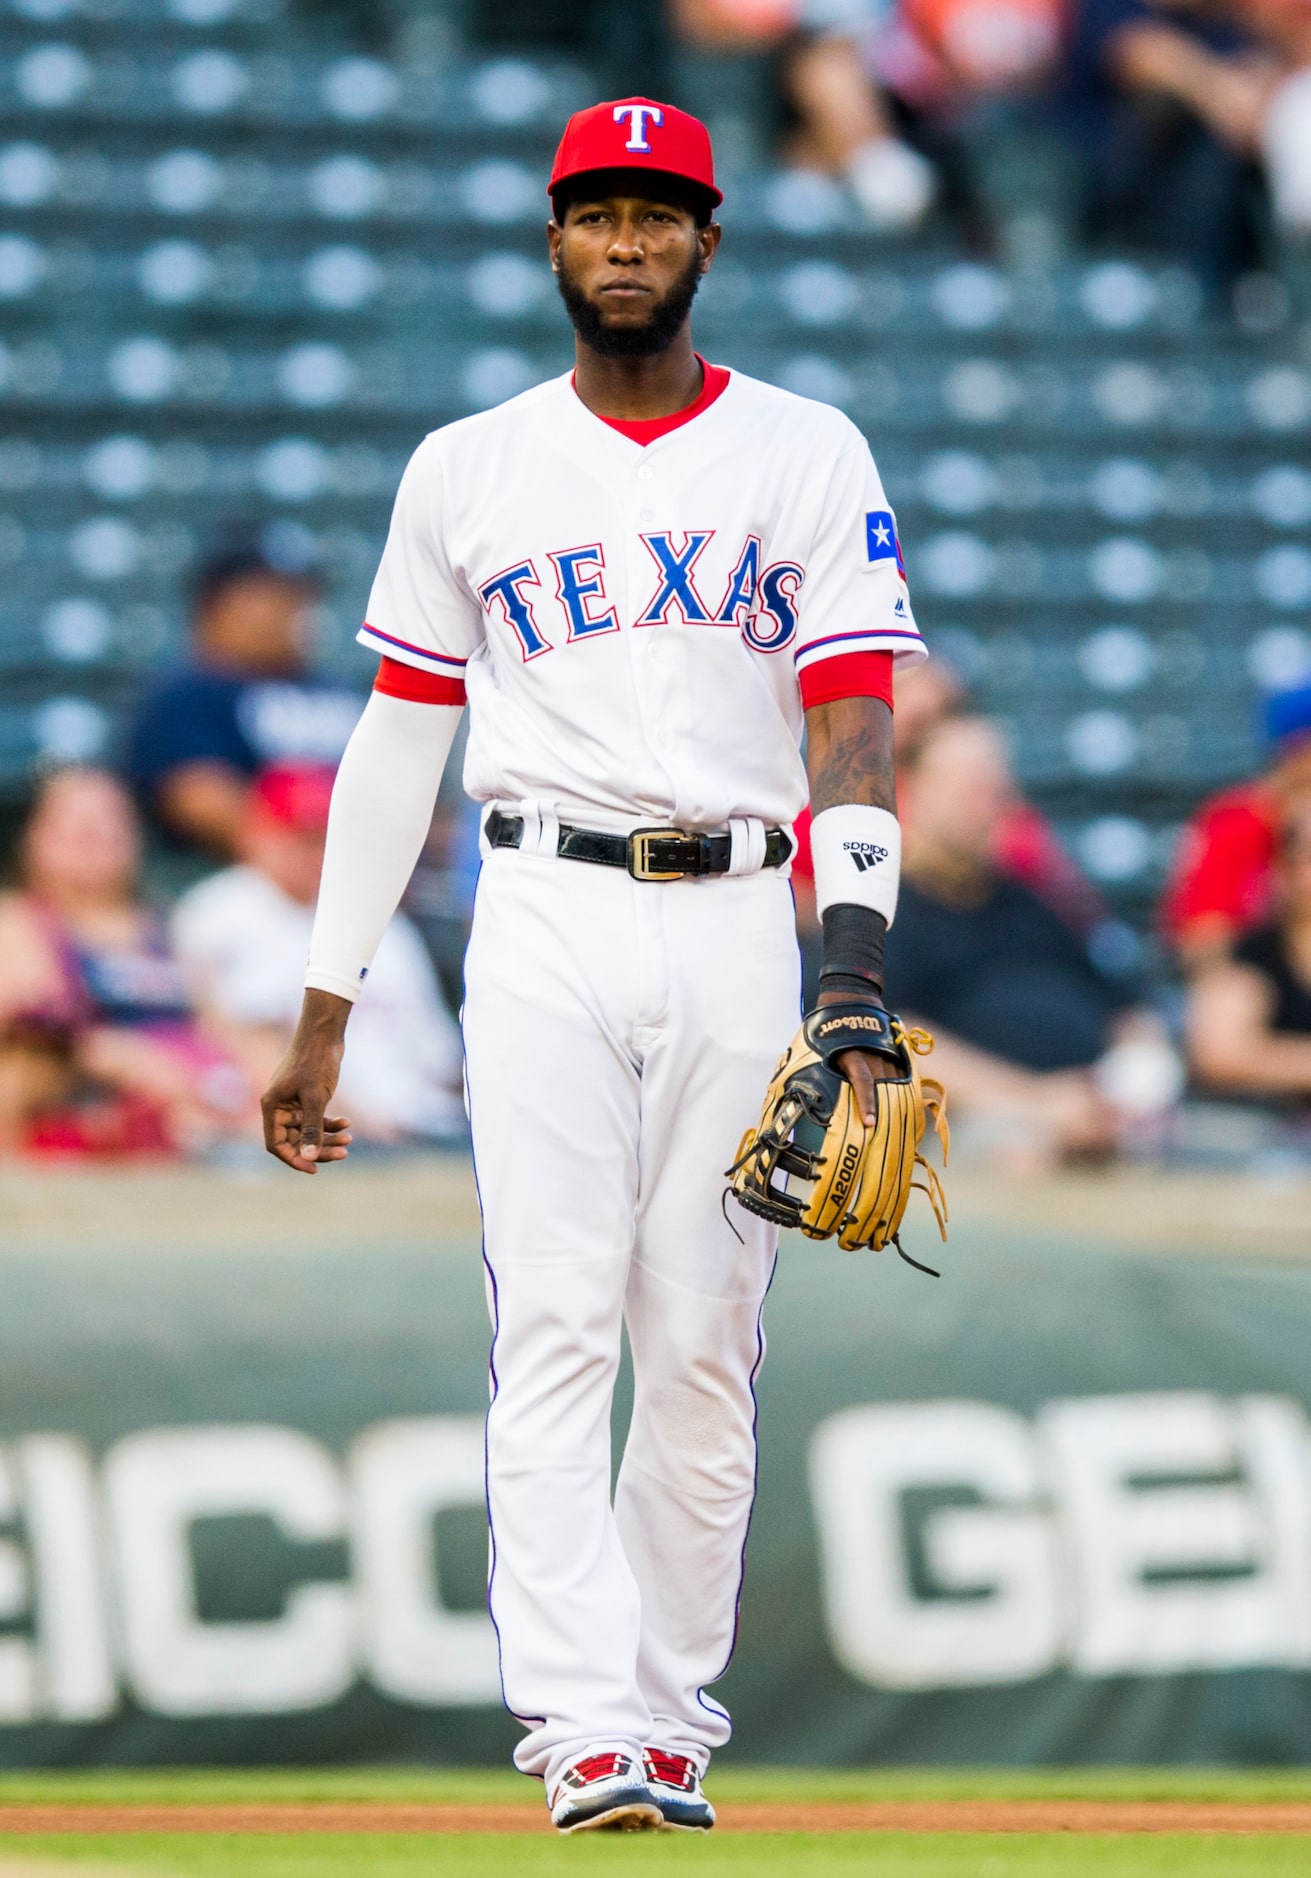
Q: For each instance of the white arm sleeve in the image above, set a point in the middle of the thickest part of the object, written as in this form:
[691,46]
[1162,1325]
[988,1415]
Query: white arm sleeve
[382,805]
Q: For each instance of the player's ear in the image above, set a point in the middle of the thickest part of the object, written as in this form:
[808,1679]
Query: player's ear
[708,240]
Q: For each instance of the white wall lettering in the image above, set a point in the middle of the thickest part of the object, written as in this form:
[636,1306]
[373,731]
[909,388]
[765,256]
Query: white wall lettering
[156,1485]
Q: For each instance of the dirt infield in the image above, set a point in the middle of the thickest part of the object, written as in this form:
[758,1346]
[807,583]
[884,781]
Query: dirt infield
[1074,1816]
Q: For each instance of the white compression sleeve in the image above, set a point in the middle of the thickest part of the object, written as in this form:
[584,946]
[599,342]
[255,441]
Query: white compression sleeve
[382,805]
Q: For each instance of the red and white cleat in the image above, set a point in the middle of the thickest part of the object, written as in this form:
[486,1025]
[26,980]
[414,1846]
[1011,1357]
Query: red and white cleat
[675,1786]
[604,1790]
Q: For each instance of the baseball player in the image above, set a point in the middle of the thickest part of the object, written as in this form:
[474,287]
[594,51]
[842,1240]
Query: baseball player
[646,578]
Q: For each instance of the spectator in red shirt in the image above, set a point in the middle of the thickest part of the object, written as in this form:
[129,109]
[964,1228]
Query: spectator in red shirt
[1249,1015]
[1221,883]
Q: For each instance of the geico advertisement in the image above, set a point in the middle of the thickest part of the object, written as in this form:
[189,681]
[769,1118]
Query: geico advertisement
[960,1544]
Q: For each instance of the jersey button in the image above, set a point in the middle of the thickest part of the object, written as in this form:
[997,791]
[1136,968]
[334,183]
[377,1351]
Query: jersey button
[644,473]
[646,515]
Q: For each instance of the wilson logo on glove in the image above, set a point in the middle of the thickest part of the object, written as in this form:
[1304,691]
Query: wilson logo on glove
[876,1024]
[865,854]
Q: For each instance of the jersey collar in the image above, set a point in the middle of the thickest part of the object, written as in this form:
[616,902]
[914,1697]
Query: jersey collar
[646,430]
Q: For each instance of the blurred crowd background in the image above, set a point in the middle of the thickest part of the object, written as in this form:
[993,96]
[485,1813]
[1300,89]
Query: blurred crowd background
[1051,255]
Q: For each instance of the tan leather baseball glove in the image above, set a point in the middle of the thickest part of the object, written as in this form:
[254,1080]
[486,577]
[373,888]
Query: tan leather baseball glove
[813,1164]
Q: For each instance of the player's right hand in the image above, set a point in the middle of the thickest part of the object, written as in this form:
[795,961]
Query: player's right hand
[296,1129]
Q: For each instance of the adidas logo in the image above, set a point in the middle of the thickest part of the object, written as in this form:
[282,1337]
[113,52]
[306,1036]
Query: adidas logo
[865,854]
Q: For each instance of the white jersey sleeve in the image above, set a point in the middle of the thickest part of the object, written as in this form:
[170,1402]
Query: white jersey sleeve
[419,613]
[854,599]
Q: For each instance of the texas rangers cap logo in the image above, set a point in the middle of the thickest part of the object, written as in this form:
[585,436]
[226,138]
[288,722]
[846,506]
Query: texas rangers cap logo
[638,116]
[639,134]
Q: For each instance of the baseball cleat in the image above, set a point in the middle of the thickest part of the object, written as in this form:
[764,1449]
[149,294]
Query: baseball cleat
[605,1791]
[675,1786]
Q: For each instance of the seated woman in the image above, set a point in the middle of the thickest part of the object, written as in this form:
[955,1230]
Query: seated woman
[1249,1015]
[99,1048]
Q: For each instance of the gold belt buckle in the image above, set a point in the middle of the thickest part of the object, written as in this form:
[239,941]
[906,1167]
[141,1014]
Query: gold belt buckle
[639,853]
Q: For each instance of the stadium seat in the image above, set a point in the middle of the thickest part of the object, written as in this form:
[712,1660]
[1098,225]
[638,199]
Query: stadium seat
[245,265]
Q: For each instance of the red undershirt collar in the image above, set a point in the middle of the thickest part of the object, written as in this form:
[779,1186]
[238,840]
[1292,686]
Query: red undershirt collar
[644,430]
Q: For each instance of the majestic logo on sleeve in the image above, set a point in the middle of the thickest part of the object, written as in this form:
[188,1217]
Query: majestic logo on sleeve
[760,603]
[881,543]
[638,116]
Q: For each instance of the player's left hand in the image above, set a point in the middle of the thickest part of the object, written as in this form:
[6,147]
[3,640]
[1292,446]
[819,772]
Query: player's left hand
[862,1068]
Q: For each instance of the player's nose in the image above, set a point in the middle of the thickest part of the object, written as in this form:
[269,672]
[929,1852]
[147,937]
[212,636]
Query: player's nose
[625,242]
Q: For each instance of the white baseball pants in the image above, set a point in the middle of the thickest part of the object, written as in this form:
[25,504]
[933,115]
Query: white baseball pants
[620,1036]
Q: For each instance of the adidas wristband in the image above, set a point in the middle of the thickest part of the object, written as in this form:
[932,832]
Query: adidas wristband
[857,857]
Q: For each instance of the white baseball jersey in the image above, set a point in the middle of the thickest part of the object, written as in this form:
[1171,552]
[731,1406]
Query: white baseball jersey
[640,627]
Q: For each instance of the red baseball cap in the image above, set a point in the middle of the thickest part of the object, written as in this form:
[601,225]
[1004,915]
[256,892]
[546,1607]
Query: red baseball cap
[295,794]
[637,134]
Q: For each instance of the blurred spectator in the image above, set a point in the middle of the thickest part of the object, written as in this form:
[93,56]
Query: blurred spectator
[1249,1016]
[1026,846]
[973,80]
[842,124]
[923,695]
[1284,129]
[1223,871]
[99,1049]
[245,696]
[947,53]
[1041,1051]
[1165,100]
[243,936]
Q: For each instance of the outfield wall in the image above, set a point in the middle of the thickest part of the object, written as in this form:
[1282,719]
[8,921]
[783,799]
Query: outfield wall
[1055,1506]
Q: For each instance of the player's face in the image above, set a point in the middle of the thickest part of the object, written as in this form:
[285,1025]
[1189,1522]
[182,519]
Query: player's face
[628,270]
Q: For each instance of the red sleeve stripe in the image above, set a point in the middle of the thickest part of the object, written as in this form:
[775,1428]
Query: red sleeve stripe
[406,681]
[849,675]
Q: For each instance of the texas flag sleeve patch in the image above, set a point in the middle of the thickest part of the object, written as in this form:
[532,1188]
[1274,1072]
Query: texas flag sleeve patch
[881,543]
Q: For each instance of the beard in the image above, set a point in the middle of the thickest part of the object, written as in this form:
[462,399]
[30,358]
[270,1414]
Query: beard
[656,333]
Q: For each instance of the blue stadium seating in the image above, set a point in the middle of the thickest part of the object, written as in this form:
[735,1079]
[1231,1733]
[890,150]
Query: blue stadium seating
[244,266]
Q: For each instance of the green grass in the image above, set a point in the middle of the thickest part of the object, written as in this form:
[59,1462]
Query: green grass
[488,1786]
[889,1855]
[879,1855]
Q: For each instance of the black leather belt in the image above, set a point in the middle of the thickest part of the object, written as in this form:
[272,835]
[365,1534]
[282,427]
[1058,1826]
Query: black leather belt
[648,853]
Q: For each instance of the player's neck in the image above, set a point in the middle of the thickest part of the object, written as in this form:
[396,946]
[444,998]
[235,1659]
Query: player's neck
[638,389]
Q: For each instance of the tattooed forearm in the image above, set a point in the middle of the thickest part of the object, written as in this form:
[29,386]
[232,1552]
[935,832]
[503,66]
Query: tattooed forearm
[849,754]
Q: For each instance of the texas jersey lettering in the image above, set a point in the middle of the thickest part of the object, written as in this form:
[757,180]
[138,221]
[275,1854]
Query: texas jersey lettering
[761,605]
[640,628]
